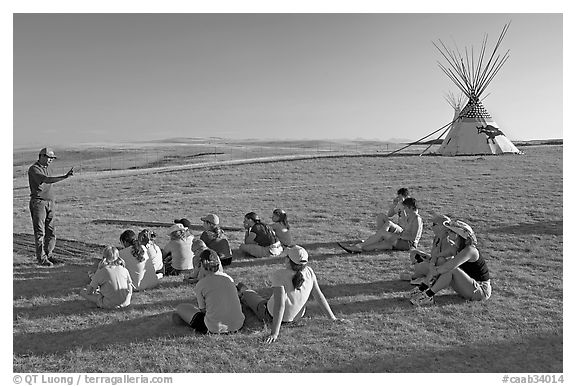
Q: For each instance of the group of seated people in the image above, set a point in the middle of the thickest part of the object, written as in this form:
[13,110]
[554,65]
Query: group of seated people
[454,261]
[141,263]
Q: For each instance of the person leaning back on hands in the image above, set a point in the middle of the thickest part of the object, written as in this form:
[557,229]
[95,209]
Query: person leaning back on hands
[291,289]
[42,205]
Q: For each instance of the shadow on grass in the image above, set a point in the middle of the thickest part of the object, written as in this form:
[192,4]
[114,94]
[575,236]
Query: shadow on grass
[244,261]
[540,353]
[55,281]
[373,288]
[539,228]
[135,330]
[23,243]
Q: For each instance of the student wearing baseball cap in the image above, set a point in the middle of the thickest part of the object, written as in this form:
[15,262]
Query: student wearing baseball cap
[291,286]
[219,309]
[215,239]
[467,273]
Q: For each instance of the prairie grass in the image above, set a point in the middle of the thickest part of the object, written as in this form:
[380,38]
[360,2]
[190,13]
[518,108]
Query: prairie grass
[514,203]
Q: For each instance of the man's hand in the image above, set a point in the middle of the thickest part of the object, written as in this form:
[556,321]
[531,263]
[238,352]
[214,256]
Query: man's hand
[70,172]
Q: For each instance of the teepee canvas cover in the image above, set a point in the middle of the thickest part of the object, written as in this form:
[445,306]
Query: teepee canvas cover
[473,131]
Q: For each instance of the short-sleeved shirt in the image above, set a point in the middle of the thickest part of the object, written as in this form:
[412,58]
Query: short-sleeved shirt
[218,295]
[181,252]
[412,231]
[115,285]
[37,175]
[142,272]
[265,236]
[295,298]
[155,254]
[218,243]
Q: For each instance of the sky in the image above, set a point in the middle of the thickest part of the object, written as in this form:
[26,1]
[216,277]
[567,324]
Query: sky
[120,77]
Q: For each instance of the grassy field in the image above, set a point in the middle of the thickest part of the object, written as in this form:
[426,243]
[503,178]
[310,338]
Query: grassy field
[514,203]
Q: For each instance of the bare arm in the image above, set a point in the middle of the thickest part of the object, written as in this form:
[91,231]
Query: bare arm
[392,210]
[52,180]
[321,299]
[250,238]
[469,253]
[413,229]
[277,313]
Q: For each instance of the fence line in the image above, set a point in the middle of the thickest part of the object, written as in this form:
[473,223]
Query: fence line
[115,158]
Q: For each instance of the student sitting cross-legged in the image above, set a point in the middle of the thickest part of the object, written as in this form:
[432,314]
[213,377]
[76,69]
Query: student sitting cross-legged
[137,261]
[281,227]
[259,240]
[219,309]
[111,286]
[215,239]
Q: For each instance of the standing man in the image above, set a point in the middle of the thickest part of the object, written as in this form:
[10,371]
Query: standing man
[42,205]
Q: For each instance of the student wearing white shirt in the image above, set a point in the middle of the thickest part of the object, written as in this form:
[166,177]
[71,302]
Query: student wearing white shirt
[292,287]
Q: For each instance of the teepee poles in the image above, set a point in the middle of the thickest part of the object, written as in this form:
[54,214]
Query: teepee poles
[472,76]
[471,72]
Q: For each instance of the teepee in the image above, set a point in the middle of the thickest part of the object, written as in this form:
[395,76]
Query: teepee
[473,131]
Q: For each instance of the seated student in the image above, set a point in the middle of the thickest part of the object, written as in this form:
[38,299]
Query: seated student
[396,209]
[281,227]
[219,309]
[198,246]
[187,224]
[215,239]
[111,285]
[177,254]
[146,238]
[399,238]
[137,261]
[467,273]
[292,287]
[259,240]
[440,252]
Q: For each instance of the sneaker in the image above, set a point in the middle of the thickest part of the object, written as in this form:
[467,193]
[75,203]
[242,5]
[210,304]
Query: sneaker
[241,287]
[54,260]
[422,300]
[414,292]
[349,248]
[405,276]
[45,263]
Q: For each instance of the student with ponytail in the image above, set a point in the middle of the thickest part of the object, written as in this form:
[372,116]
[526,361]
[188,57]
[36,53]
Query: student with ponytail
[259,240]
[292,286]
[138,262]
[281,227]
[110,286]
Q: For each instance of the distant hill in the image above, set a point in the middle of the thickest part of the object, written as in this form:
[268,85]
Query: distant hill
[538,142]
[534,142]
